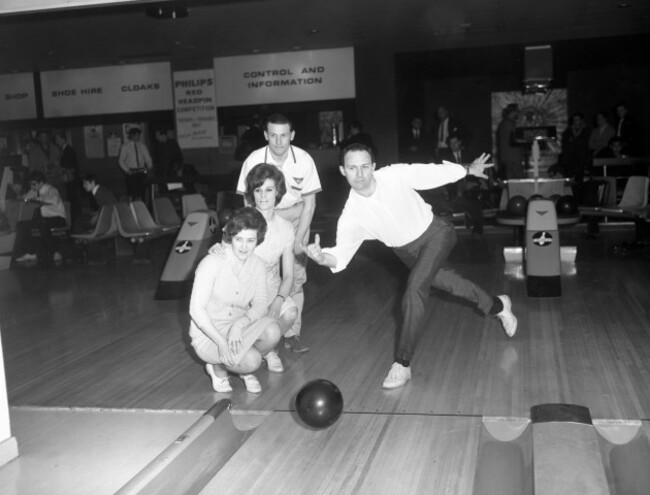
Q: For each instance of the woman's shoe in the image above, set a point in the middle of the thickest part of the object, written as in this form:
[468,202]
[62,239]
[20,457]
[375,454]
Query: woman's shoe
[252,385]
[219,384]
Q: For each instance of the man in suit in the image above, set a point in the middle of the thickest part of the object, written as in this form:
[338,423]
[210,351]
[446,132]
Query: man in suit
[447,126]
[627,129]
[456,153]
[357,135]
[71,177]
[416,145]
[101,196]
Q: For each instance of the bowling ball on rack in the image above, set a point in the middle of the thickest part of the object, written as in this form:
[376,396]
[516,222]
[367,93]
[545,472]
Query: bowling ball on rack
[319,403]
[224,215]
[517,205]
[566,205]
[555,198]
[535,197]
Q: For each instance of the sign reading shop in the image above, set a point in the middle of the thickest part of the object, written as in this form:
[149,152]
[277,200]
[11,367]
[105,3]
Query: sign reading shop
[106,90]
[285,77]
[17,96]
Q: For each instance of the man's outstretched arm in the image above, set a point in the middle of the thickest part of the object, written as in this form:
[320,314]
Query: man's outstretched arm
[315,252]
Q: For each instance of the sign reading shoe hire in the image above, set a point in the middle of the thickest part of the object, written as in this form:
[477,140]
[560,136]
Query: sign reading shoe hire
[285,77]
[107,90]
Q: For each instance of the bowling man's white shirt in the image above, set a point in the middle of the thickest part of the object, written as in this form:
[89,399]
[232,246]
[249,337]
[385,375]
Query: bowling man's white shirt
[299,172]
[395,213]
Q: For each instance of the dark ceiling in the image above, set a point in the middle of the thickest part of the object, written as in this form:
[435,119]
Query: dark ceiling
[49,37]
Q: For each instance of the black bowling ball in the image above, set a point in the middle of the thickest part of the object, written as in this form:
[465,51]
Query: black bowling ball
[224,215]
[319,403]
[517,205]
[566,205]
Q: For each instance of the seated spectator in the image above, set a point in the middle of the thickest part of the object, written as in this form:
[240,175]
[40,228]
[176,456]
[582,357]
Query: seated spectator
[50,214]
[101,196]
[615,149]
[451,198]
[357,135]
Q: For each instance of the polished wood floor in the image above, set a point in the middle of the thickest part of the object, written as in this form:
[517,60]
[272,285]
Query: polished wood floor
[92,336]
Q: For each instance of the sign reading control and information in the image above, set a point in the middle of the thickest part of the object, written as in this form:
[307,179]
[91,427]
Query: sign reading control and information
[106,90]
[285,77]
[17,100]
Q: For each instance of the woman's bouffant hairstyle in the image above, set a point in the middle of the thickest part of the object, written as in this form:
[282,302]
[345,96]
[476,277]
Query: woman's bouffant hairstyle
[256,177]
[246,218]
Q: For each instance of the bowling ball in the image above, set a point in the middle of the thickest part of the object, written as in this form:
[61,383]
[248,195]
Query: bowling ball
[224,215]
[319,403]
[555,198]
[566,205]
[517,205]
[535,197]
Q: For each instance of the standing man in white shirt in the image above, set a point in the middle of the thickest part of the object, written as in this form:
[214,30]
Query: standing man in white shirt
[297,205]
[135,161]
[385,205]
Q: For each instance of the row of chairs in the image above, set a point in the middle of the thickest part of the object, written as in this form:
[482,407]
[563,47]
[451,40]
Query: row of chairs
[132,221]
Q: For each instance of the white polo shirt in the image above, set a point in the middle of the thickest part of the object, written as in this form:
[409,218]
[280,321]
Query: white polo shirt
[299,172]
[395,213]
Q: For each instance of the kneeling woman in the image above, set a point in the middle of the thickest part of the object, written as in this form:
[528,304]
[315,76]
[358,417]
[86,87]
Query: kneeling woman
[230,330]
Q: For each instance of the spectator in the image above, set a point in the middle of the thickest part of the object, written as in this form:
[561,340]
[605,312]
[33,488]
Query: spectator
[509,153]
[576,158]
[447,126]
[357,135]
[101,196]
[252,139]
[167,154]
[135,162]
[601,134]
[50,214]
[627,129]
[614,149]
[70,173]
[416,145]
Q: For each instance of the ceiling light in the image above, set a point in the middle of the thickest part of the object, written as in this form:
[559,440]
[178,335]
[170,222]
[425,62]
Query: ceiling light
[167,12]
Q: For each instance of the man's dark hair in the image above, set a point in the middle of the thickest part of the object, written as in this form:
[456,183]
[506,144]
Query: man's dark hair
[357,147]
[36,176]
[90,178]
[278,118]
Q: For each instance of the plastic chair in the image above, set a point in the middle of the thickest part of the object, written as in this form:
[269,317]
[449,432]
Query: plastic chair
[165,214]
[193,202]
[105,228]
[146,221]
[127,224]
[632,204]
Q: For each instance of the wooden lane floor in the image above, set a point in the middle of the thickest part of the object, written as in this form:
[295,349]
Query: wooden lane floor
[94,337]
[360,454]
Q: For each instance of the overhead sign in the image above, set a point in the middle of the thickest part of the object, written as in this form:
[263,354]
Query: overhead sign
[17,96]
[106,90]
[285,77]
[195,109]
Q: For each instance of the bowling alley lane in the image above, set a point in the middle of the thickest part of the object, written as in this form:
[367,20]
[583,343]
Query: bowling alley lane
[360,454]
